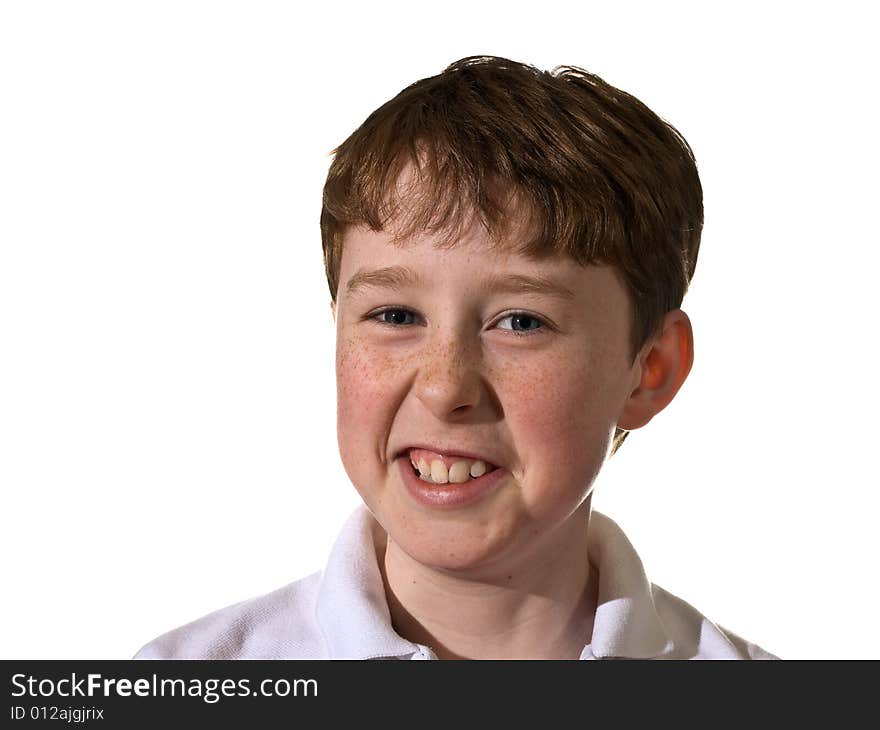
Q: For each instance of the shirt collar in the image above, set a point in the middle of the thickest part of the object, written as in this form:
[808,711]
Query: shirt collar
[351,607]
[626,622]
[353,613]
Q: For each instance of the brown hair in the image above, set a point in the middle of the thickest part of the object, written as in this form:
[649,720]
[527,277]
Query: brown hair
[601,178]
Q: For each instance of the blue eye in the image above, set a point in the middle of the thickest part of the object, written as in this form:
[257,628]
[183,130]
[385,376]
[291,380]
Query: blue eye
[394,317]
[521,323]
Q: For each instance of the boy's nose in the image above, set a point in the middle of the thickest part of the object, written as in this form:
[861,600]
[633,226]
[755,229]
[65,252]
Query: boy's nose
[450,382]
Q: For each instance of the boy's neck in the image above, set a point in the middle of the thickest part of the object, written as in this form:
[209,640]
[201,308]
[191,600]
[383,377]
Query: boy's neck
[542,609]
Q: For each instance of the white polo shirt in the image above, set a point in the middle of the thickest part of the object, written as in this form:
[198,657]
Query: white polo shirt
[341,613]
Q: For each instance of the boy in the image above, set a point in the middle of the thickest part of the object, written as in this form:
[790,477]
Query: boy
[507,250]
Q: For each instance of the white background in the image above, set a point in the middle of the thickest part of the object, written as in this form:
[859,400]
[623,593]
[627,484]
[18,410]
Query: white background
[167,397]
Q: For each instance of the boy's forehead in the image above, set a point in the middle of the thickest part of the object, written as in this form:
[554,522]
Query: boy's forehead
[375,260]
[473,246]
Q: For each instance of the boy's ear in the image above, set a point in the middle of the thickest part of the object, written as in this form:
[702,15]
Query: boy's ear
[660,370]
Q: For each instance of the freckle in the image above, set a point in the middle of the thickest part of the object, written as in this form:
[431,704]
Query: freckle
[509,577]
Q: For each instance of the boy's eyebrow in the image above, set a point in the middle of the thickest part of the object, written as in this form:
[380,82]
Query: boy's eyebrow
[399,277]
[388,277]
[526,284]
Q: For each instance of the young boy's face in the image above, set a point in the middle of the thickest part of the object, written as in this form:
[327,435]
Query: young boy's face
[428,354]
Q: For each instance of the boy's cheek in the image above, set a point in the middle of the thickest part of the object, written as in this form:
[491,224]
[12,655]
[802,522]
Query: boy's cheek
[559,413]
[361,367]
[364,381]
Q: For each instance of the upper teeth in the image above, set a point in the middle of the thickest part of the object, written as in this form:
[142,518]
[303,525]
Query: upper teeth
[457,473]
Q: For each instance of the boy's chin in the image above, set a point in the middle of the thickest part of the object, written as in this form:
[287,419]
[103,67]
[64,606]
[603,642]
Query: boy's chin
[463,550]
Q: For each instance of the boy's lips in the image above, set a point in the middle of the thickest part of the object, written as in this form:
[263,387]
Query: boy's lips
[450,495]
[451,453]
